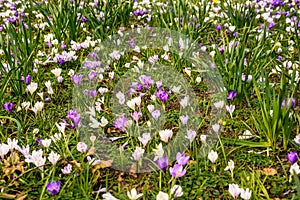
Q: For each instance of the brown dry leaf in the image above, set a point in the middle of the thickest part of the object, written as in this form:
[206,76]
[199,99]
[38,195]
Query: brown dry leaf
[103,164]
[11,165]
[133,170]
[120,179]
[269,171]
[22,197]
[7,196]
[91,151]
[77,164]
[191,162]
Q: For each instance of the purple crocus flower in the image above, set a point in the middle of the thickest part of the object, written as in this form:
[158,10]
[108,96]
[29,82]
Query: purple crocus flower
[292,157]
[177,171]
[28,79]
[136,115]
[63,46]
[77,79]
[271,25]
[93,93]
[8,107]
[39,141]
[163,163]
[120,123]
[92,75]
[131,43]
[74,117]
[287,102]
[146,80]
[53,187]
[218,27]
[184,119]
[231,94]
[83,19]
[182,159]
[162,95]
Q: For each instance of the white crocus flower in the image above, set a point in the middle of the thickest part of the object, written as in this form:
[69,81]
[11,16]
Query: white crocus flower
[165,135]
[234,190]
[212,156]
[53,157]
[56,72]
[230,166]
[46,142]
[32,87]
[177,191]
[159,152]
[162,196]
[133,195]
[246,194]
[138,153]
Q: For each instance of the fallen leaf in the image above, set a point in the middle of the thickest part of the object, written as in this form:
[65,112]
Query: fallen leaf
[269,171]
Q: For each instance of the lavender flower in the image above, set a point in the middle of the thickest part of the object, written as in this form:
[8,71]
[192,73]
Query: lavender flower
[182,159]
[77,79]
[136,115]
[218,27]
[120,123]
[292,157]
[74,117]
[231,94]
[162,95]
[8,107]
[287,103]
[53,187]
[177,171]
[163,163]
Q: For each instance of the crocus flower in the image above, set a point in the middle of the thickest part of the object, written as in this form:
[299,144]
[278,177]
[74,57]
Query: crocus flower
[39,141]
[155,114]
[177,171]
[212,156]
[77,79]
[234,190]
[177,191]
[182,159]
[230,166]
[184,119]
[246,194]
[8,107]
[165,135]
[162,95]
[136,115]
[4,149]
[145,138]
[231,94]
[74,117]
[163,163]
[133,195]
[162,196]
[120,123]
[294,169]
[287,103]
[191,134]
[230,109]
[292,157]
[138,153]
[81,147]
[53,187]
[83,19]
[218,27]
[67,169]
[297,139]
[53,157]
